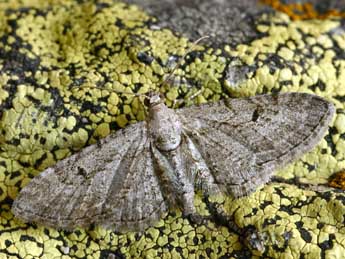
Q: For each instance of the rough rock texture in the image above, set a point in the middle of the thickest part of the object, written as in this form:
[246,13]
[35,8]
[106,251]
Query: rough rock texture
[227,22]
[51,52]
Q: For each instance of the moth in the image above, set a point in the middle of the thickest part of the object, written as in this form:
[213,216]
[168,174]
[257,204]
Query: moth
[132,177]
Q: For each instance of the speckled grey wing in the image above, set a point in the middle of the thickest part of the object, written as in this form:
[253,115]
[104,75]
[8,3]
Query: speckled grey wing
[111,183]
[243,141]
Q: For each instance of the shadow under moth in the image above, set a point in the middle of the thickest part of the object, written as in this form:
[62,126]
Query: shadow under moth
[129,179]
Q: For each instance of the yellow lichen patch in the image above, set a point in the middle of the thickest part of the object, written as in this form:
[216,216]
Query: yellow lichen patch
[340,123]
[296,223]
[102,130]
[283,45]
[122,120]
[53,108]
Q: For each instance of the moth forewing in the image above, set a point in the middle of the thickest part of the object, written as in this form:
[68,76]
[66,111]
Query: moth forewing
[243,141]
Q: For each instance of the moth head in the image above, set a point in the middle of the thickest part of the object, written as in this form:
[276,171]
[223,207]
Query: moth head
[155,98]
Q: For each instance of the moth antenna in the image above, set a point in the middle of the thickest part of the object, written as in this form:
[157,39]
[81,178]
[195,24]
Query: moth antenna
[182,58]
[181,101]
[112,90]
[163,82]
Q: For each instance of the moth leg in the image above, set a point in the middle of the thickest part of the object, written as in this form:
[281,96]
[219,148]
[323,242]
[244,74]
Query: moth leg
[249,236]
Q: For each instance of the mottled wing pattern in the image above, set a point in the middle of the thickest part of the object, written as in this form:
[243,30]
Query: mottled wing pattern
[111,183]
[244,140]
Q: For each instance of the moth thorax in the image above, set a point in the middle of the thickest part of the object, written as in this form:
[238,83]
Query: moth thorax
[165,127]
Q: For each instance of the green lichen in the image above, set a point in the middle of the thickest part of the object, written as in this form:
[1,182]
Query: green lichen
[53,109]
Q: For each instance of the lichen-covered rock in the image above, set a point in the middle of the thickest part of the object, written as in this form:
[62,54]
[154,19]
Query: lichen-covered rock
[52,53]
